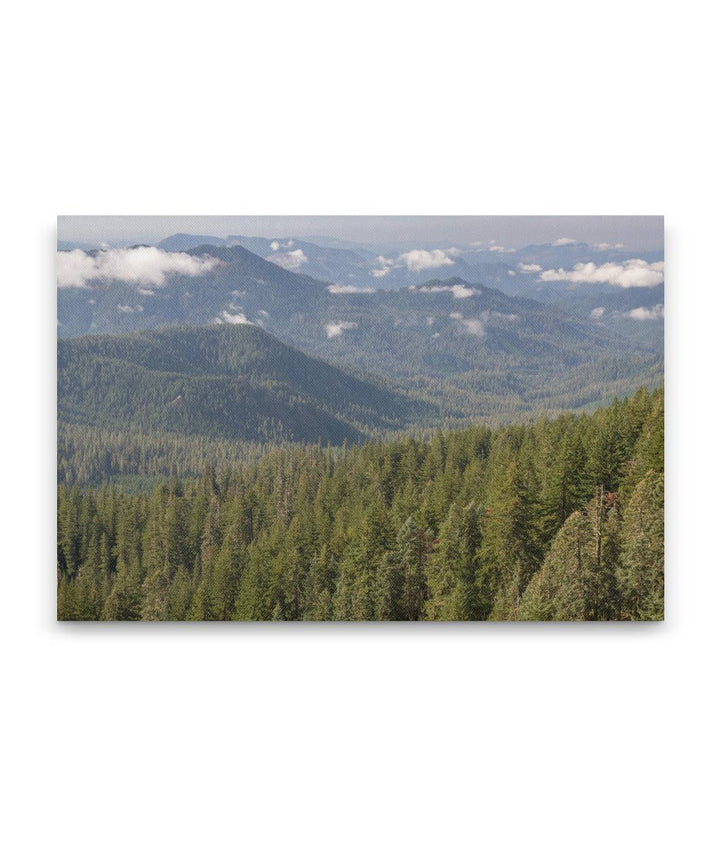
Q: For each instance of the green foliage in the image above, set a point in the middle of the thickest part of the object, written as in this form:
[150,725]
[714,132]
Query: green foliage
[455,566]
[641,573]
[557,519]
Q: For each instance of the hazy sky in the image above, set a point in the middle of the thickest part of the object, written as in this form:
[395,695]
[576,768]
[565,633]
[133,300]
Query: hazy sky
[636,232]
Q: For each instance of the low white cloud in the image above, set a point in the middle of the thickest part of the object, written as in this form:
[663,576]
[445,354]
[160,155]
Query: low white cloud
[473,326]
[564,242]
[275,246]
[430,320]
[511,273]
[146,265]
[230,318]
[647,313]
[75,269]
[633,273]
[415,261]
[290,260]
[598,312]
[476,326]
[350,289]
[128,310]
[384,266]
[458,291]
[526,268]
[490,314]
[263,313]
[337,328]
[605,246]
[496,248]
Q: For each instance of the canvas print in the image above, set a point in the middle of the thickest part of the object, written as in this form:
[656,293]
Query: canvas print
[360,418]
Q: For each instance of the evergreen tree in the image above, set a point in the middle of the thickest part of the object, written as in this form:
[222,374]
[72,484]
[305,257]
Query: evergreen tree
[602,596]
[124,603]
[179,596]
[641,574]
[156,594]
[412,550]
[558,592]
[454,566]
[510,554]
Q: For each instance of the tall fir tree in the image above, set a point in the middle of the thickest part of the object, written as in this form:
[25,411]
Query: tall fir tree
[454,567]
[641,574]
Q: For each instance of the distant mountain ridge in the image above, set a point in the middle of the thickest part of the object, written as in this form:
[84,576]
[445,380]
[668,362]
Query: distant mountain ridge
[399,265]
[474,350]
[181,242]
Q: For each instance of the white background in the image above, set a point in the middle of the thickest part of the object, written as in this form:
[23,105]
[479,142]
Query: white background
[337,739]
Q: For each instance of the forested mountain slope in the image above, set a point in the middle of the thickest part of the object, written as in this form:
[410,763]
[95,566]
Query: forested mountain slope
[475,351]
[479,352]
[117,305]
[225,381]
[559,519]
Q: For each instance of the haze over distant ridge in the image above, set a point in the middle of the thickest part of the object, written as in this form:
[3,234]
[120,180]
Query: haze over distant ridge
[635,232]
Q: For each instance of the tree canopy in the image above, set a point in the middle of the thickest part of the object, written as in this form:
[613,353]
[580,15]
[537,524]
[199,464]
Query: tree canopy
[556,519]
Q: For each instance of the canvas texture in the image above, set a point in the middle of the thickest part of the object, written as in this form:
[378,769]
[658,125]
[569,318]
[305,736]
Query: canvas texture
[360,419]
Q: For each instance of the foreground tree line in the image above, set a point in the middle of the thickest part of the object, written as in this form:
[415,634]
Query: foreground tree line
[555,520]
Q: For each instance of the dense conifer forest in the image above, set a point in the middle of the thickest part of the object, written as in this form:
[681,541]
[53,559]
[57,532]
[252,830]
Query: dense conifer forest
[558,519]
